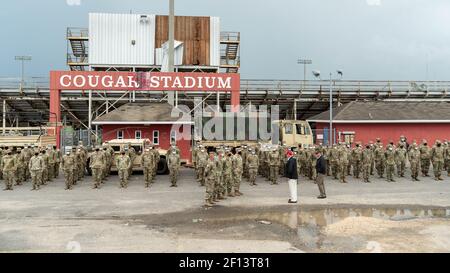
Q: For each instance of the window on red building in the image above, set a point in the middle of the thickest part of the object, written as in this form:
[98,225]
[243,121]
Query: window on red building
[138,134]
[155,137]
[120,134]
[173,137]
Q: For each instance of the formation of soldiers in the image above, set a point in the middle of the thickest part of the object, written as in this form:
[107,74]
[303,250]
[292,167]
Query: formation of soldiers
[39,165]
[374,158]
[220,172]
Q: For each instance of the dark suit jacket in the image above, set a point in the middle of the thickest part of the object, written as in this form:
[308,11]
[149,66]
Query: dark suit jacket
[321,166]
[291,169]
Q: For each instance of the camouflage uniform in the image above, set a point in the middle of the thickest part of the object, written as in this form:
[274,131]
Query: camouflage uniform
[36,166]
[312,165]
[123,163]
[333,158]
[147,165]
[237,173]
[253,164]
[97,162]
[400,159]
[447,157]
[173,161]
[245,153]
[437,156]
[44,157]
[9,168]
[75,166]
[343,162]
[414,161]
[390,163]
[21,167]
[425,159]
[273,163]
[210,181]
[357,160]
[51,163]
[228,175]
[202,160]
[380,160]
[67,163]
[367,158]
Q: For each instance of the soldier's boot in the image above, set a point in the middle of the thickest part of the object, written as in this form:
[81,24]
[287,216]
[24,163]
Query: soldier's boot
[232,192]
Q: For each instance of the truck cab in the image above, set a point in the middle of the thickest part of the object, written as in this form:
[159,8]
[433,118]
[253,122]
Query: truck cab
[295,132]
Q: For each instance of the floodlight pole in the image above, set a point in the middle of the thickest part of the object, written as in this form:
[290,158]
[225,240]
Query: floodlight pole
[331,109]
[170,94]
[304,62]
[22,59]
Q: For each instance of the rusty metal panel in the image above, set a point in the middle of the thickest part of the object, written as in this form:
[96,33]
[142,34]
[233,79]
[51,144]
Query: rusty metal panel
[194,32]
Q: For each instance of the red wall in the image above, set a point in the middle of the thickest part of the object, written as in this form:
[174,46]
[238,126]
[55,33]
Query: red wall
[110,132]
[412,131]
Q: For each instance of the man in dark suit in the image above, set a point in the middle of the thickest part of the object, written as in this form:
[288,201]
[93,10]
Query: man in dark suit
[290,172]
[321,169]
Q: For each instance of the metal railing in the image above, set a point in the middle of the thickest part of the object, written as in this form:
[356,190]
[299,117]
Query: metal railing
[77,32]
[72,59]
[230,36]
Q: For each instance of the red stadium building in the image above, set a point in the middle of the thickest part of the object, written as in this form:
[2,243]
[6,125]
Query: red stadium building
[365,121]
[157,122]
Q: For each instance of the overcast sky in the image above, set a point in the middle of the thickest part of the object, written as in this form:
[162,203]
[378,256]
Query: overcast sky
[367,39]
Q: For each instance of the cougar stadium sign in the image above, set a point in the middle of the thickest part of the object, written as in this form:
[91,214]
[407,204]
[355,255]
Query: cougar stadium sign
[71,80]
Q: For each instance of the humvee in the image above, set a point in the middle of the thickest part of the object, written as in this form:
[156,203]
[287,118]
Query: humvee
[139,146]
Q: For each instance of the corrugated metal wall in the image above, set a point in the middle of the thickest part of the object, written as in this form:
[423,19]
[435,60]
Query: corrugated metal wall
[214,41]
[111,36]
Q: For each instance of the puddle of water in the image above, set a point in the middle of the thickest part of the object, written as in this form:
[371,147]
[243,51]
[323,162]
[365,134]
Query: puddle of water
[309,224]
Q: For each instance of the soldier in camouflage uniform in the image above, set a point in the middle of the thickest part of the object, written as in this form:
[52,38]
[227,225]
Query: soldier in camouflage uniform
[282,158]
[333,158]
[228,175]
[414,161]
[357,160]
[57,161]
[173,161]
[273,163]
[123,163]
[390,163]
[237,172]
[210,180]
[9,168]
[36,166]
[380,159]
[202,160]
[425,159]
[372,164]
[28,153]
[245,153]
[67,163]
[75,165]
[447,156]
[400,159]
[147,166]
[437,156]
[21,167]
[367,158]
[97,163]
[51,163]
[312,164]
[253,164]
[342,162]
[44,157]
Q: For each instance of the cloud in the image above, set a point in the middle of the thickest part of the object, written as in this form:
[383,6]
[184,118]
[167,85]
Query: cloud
[373,2]
[73,2]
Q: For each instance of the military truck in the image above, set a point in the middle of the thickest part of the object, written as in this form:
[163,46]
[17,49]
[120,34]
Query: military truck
[139,146]
[291,133]
[15,137]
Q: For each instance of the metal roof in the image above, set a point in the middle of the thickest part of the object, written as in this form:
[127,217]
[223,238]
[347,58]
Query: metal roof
[388,112]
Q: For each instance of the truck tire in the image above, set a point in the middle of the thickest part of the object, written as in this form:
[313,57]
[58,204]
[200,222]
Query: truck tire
[162,166]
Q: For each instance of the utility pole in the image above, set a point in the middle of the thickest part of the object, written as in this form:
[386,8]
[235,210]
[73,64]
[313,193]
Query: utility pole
[170,94]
